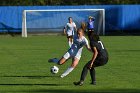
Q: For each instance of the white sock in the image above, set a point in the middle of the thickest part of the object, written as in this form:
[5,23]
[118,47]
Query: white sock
[67,72]
[70,43]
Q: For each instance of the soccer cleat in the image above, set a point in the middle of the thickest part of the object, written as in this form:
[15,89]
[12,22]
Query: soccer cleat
[93,83]
[52,60]
[79,83]
[62,76]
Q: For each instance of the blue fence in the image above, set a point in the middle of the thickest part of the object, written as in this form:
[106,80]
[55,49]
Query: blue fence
[117,17]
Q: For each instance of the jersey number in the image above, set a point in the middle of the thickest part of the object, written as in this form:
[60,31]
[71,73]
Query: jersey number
[101,44]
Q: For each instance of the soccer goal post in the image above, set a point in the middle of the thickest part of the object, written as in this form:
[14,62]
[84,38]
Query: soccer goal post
[54,20]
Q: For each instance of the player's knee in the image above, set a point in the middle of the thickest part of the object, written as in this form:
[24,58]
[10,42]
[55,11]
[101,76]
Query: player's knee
[59,63]
[74,65]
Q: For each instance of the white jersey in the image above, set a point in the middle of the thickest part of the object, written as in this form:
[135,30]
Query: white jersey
[70,28]
[76,48]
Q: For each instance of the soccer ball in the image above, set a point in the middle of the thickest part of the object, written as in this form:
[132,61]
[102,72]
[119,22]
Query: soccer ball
[54,69]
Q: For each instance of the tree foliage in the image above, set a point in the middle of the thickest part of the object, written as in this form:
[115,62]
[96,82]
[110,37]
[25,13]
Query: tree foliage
[64,2]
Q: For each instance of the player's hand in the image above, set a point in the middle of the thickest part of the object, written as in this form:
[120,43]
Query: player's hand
[90,66]
[64,33]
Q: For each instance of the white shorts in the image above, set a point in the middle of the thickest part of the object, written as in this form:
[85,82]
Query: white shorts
[72,54]
[70,33]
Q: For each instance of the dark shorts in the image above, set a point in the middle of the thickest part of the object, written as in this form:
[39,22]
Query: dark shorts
[70,36]
[90,30]
[98,62]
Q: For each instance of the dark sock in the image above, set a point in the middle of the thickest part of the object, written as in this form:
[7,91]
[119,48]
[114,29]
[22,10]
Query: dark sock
[92,74]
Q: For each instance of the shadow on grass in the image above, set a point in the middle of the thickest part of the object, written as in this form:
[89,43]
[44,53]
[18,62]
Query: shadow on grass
[128,50]
[87,91]
[30,77]
[30,84]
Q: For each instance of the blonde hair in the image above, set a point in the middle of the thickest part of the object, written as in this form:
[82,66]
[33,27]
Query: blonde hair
[80,30]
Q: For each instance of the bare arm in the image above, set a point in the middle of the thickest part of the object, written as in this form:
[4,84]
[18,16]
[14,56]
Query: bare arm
[75,28]
[88,48]
[94,56]
[64,30]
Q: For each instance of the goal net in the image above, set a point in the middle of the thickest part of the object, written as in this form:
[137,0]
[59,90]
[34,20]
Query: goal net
[53,21]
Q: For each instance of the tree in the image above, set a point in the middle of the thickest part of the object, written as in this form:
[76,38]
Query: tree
[64,2]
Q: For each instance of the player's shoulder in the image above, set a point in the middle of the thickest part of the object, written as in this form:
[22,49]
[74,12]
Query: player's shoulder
[73,23]
[93,43]
[85,39]
[68,23]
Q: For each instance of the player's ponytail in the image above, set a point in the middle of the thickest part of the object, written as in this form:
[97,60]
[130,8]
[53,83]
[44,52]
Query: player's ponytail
[83,26]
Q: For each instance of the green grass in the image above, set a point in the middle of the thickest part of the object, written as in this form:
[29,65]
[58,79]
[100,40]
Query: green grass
[24,66]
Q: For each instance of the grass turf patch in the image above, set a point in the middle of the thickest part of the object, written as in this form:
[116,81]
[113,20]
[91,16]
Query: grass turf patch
[24,66]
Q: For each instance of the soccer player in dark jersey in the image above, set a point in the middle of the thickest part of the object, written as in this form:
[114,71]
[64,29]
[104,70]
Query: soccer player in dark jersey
[99,58]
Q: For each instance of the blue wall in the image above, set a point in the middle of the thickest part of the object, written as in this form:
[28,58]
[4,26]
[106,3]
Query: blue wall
[118,17]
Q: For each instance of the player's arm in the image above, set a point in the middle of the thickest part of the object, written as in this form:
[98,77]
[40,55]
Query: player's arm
[64,30]
[94,56]
[75,28]
[88,48]
[87,45]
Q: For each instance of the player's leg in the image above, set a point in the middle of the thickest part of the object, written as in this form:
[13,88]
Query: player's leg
[75,62]
[70,69]
[70,40]
[83,74]
[92,74]
[60,61]
[85,71]
[98,62]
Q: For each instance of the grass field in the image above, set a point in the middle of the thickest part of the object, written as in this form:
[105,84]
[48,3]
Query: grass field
[24,67]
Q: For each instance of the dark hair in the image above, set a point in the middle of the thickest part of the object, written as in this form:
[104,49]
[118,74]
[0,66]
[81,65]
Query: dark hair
[93,37]
[69,18]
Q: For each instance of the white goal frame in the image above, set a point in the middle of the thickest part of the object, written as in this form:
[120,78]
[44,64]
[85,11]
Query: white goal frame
[24,25]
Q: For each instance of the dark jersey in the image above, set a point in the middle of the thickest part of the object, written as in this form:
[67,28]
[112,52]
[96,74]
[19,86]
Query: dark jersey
[102,52]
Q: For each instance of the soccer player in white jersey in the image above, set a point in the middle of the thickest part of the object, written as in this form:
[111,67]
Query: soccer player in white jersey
[69,30]
[74,52]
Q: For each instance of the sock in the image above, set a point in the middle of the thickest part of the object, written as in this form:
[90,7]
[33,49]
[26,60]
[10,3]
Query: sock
[70,43]
[67,71]
[84,73]
[92,74]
